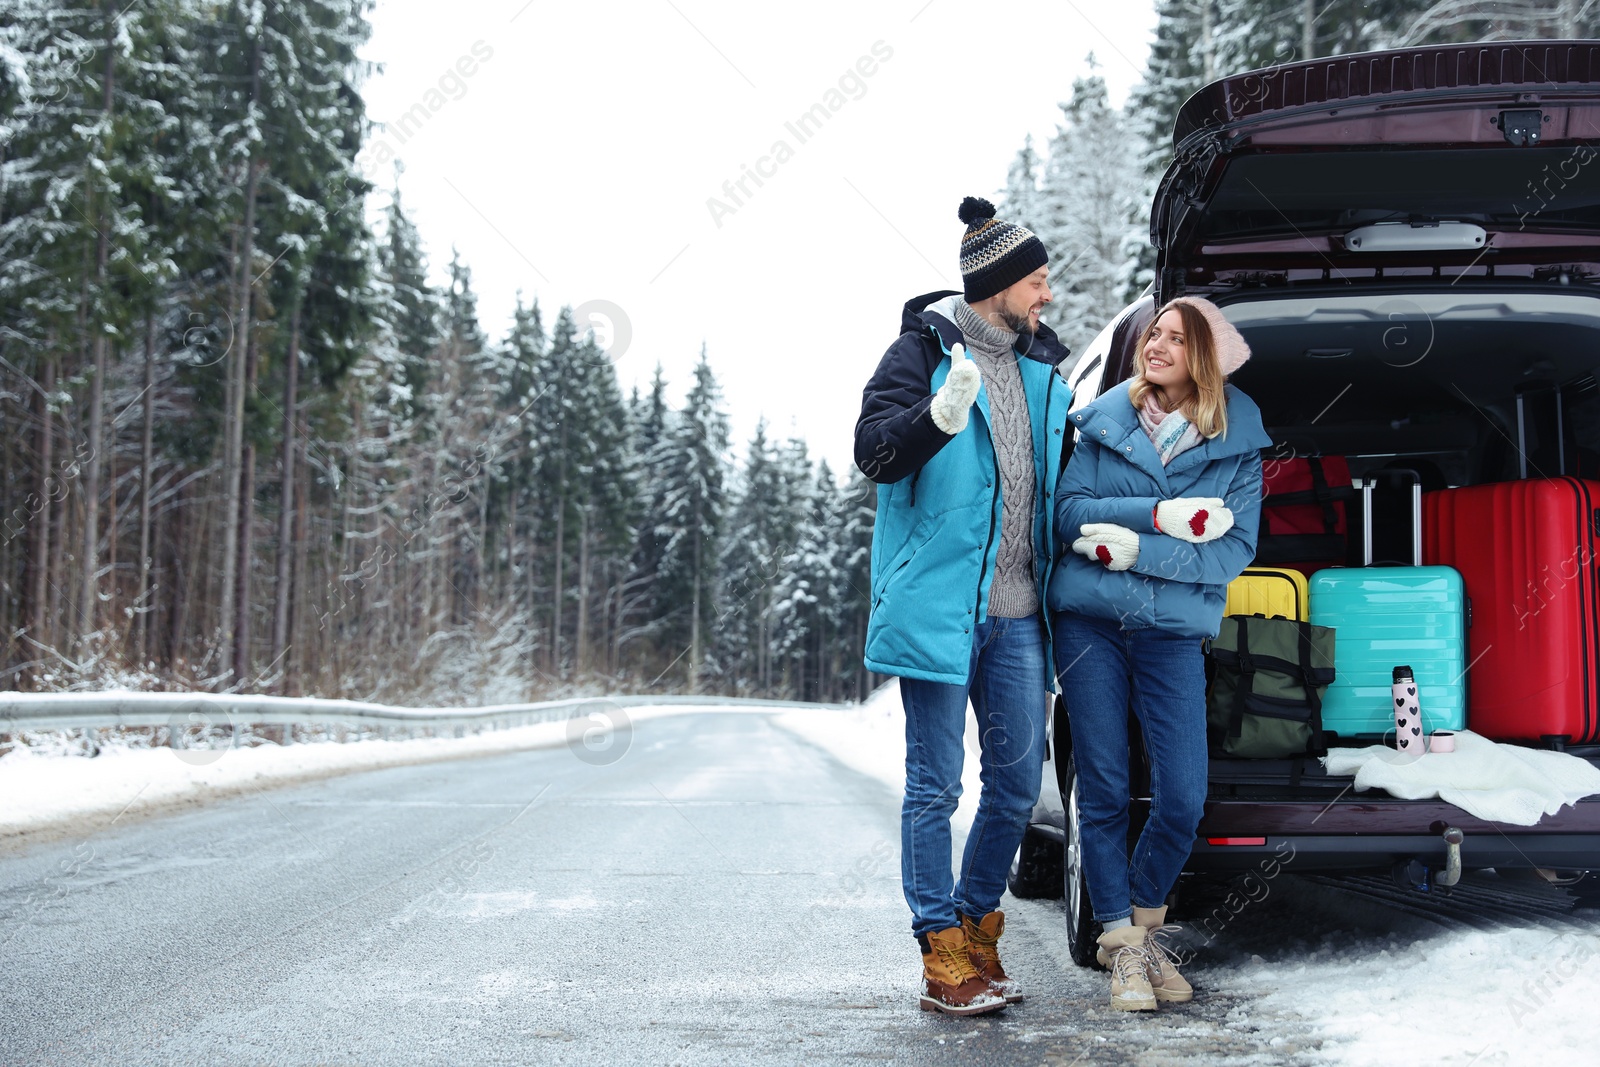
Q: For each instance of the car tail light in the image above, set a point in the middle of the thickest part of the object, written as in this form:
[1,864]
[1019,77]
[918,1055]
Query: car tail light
[1236,840]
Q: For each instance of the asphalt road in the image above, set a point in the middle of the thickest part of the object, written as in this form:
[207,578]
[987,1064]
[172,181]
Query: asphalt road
[721,894]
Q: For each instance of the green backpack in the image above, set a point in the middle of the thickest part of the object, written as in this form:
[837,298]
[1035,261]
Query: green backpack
[1266,698]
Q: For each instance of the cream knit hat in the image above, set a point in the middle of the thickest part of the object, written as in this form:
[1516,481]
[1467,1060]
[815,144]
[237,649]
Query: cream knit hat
[1225,337]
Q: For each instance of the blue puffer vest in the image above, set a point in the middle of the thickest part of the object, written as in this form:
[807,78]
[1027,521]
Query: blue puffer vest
[1116,476]
[937,533]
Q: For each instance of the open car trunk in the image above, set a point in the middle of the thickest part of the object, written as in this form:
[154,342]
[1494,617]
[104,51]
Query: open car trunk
[1430,379]
[1469,164]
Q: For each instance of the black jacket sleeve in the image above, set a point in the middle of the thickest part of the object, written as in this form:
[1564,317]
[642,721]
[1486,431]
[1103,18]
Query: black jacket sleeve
[895,434]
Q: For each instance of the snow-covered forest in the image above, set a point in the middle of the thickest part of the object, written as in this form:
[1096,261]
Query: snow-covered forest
[1087,193]
[246,444]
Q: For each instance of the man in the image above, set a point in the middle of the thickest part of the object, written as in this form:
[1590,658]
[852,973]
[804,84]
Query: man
[966,452]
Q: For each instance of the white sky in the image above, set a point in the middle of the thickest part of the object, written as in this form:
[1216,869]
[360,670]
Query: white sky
[576,162]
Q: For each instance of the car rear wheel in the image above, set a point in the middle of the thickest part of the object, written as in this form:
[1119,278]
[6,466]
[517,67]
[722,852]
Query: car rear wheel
[1081,927]
[1036,872]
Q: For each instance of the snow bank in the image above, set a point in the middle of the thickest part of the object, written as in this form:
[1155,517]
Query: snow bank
[40,792]
[1474,997]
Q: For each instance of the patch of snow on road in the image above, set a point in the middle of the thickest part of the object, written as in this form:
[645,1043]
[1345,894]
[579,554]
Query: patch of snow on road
[505,905]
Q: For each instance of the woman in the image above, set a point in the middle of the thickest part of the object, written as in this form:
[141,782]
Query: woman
[1160,503]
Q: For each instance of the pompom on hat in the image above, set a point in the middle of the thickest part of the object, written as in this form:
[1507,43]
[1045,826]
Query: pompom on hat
[1230,346]
[995,255]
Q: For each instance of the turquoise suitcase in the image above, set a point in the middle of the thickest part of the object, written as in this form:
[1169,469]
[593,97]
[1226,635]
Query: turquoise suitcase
[1386,617]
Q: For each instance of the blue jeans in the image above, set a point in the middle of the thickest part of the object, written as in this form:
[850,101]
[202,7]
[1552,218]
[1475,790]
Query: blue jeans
[1006,683]
[1103,669]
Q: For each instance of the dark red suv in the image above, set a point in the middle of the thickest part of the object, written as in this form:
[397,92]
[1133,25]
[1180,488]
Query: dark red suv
[1410,242]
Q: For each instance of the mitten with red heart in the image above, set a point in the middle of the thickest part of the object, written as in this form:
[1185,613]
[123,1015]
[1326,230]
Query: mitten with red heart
[1196,519]
[1117,547]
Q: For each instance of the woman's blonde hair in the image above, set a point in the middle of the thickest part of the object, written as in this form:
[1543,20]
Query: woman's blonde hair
[1207,407]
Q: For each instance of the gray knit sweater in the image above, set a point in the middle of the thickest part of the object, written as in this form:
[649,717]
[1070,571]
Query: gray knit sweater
[1014,593]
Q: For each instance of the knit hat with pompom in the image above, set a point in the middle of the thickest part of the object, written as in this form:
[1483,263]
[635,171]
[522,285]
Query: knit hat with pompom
[995,255]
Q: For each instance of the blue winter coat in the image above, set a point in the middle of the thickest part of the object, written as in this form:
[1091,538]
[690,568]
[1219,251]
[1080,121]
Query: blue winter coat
[938,525]
[1116,476]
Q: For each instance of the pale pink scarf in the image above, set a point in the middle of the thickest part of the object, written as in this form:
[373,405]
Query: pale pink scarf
[1170,431]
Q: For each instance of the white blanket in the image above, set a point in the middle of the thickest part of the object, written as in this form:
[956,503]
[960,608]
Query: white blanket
[1498,783]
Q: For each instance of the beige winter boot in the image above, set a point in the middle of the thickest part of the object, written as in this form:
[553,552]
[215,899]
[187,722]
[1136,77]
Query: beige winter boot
[1122,950]
[1165,980]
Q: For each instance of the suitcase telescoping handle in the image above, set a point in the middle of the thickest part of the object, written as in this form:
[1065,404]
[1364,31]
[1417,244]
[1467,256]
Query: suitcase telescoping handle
[1368,484]
[1522,429]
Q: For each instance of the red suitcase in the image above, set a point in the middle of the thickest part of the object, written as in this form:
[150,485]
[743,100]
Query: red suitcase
[1527,552]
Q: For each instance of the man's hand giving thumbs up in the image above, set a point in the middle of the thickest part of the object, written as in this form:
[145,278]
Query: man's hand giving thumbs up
[955,396]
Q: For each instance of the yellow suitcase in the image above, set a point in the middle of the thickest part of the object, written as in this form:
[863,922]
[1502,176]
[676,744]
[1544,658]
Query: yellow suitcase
[1269,591]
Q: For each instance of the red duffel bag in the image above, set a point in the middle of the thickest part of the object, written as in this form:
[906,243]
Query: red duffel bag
[1304,512]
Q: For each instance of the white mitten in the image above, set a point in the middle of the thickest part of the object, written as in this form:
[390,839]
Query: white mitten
[1105,542]
[954,398]
[1195,519]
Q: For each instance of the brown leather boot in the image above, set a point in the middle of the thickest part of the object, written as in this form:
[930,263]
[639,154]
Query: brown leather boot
[983,938]
[1165,980]
[949,982]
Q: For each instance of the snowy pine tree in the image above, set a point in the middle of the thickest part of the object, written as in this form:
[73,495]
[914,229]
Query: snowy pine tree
[694,473]
[751,567]
[605,500]
[1085,206]
[807,615]
[1021,196]
[412,311]
[642,606]
[514,512]
[859,511]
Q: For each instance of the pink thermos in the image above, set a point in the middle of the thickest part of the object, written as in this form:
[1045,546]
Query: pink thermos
[1408,736]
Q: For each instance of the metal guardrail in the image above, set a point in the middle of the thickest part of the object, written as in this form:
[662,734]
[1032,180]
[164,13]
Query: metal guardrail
[38,712]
